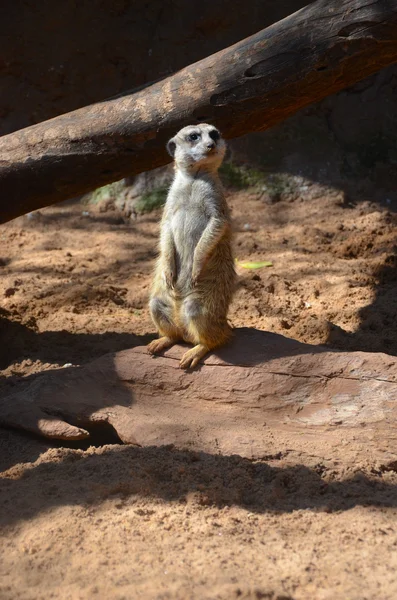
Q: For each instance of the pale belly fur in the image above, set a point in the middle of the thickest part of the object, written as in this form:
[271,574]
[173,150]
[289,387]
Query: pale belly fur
[187,230]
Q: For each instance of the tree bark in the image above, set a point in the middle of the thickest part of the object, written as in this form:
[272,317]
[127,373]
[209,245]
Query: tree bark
[247,87]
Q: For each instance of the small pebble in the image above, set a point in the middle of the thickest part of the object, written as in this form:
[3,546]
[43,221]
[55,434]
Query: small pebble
[67,365]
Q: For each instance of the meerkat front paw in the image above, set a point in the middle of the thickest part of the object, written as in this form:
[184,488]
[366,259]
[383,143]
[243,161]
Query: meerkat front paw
[195,277]
[169,278]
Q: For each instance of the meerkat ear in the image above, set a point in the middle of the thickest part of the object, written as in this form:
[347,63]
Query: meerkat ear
[171,145]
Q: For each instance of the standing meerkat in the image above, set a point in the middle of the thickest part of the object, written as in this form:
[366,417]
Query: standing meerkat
[195,277]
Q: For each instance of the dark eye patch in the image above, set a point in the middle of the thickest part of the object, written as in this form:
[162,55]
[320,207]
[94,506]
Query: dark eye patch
[214,135]
[193,137]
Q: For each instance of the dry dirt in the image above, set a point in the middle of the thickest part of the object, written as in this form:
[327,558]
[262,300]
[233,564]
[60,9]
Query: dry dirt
[113,521]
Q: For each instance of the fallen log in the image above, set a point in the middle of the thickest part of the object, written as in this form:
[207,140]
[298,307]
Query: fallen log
[247,87]
[261,394]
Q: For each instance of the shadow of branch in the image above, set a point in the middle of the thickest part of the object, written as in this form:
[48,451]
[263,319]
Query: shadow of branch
[77,478]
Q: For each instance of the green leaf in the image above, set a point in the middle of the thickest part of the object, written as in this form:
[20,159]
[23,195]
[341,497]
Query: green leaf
[254,265]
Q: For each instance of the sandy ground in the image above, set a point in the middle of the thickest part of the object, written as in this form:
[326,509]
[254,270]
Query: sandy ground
[111,521]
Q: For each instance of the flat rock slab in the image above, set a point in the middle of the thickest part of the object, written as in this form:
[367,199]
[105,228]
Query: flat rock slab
[261,395]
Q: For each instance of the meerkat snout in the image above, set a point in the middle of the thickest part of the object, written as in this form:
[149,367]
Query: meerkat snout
[197,147]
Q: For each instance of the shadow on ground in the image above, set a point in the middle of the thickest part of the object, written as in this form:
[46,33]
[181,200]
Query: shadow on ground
[59,347]
[378,321]
[182,476]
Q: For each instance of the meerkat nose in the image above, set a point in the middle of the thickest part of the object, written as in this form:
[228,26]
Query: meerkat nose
[211,145]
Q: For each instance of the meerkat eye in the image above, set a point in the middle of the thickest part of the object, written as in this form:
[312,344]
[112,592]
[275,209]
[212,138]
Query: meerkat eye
[214,135]
[193,137]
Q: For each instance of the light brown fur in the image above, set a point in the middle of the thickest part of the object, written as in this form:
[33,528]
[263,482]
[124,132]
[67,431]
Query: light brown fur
[194,278]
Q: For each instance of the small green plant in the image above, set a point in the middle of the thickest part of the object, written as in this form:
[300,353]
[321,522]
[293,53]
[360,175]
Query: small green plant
[277,184]
[151,200]
[240,177]
[106,192]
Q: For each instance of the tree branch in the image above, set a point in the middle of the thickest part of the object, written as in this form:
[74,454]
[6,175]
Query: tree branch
[247,87]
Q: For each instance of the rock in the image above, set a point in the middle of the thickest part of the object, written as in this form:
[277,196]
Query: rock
[259,385]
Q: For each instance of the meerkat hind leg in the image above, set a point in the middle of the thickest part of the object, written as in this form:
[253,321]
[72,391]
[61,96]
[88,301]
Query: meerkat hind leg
[157,346]
[161,311]
[193,356]
[206,333]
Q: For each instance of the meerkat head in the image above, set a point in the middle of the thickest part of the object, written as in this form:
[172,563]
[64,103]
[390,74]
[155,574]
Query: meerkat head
[197,147]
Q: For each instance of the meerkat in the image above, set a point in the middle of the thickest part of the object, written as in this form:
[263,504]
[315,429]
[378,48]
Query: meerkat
[194,278]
